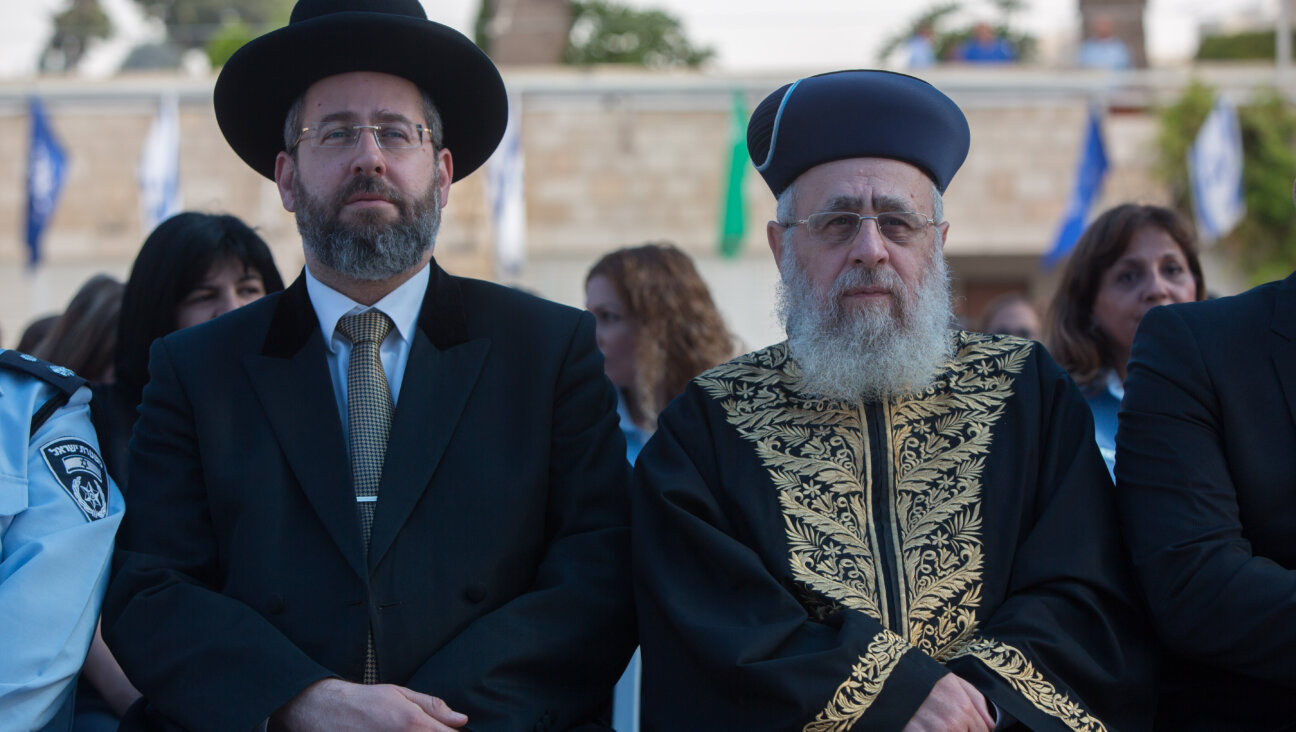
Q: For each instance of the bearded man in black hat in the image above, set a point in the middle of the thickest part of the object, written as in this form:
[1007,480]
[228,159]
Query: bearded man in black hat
[388,498]
[880,523]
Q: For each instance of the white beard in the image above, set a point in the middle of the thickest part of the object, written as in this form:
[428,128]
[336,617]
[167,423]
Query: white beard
[874,352]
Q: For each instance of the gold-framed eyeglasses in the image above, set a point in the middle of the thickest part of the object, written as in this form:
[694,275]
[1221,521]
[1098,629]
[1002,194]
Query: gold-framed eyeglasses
[840,227]
[388,135]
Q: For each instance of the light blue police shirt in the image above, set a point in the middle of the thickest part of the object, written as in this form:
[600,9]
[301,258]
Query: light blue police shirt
[59,512]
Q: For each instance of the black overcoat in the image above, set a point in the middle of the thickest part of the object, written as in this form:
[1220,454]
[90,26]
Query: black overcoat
[1206,473]
[496,577]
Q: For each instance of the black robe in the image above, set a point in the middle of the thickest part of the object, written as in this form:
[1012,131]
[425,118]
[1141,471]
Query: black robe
[819,565]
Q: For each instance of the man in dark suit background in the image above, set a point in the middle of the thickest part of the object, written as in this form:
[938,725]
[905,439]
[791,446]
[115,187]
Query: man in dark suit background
[261,577]
[1206,474]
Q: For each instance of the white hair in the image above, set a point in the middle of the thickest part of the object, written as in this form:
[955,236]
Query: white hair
[869,353]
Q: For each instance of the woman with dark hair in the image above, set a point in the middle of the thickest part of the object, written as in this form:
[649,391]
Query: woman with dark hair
[83,338]
[1130,259]
[192,268]
[657,327]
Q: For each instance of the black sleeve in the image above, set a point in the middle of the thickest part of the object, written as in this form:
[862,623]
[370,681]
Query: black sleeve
[1213,599]
[166,583]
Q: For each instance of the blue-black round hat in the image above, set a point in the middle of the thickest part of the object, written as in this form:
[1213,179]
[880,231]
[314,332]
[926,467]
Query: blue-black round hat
[327,37]
[856,114]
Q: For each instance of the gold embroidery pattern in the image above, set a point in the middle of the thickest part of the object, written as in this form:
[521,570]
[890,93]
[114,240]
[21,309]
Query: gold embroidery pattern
[1022,675]
[940,441]
[857,693]
[814,452]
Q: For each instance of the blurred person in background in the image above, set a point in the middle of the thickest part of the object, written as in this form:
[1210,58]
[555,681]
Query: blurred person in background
[985,46]
[657,327]
[920,49]
[1104,49]
[1130,259]
[82,338]
[1011,314]
[193,267]
[35,332]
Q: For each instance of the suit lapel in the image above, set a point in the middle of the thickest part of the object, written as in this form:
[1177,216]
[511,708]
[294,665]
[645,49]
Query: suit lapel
[439,378]
[1283,340]
[292,380]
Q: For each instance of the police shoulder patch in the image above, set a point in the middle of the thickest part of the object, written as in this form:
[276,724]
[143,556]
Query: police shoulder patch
[79,469]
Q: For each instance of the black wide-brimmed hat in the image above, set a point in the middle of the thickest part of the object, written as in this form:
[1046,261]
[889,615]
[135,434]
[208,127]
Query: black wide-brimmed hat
[856,114]
[327,37]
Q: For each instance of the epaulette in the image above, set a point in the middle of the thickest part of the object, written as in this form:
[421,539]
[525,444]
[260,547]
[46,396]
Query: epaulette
[61,378]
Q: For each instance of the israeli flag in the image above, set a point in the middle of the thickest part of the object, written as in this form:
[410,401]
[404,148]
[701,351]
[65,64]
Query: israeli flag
[1215,171]
[159,166]
[46,171]
[1090,172]
[507,192]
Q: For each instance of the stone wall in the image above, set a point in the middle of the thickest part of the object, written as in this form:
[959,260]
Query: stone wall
[612,159]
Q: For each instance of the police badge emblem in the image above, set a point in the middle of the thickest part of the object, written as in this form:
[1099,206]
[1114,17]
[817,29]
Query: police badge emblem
[81,472]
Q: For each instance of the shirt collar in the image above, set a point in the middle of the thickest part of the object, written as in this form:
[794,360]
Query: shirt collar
[1115,386]
[402,305]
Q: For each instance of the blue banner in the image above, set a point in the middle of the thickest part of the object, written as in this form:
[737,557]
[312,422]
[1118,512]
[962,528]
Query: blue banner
[1090,172]
[46,170]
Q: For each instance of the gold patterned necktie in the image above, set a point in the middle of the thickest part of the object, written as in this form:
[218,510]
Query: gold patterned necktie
[369,419]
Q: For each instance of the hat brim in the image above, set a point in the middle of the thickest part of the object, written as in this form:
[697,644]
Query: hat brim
[263,78]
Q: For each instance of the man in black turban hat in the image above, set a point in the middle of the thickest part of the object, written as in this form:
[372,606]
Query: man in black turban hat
[880,523]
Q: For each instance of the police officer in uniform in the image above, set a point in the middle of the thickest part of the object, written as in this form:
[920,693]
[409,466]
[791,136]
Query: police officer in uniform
[59,511]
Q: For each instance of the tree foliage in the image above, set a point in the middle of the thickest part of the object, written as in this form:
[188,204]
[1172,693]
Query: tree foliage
[194,23]
[1264,243]
[604,32]
[74,29]
[1250,45]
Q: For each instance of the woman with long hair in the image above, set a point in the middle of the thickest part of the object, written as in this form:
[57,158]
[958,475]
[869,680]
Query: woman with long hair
[83,337]
[657,327]
[1130,259]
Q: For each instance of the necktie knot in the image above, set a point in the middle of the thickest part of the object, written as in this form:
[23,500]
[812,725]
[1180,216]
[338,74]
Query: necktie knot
[371,326]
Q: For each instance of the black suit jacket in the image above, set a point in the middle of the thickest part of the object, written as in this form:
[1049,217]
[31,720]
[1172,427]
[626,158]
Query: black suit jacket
[496,575]
[1206,466]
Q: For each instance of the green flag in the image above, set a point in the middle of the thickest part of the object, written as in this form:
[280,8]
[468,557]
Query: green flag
[733,219]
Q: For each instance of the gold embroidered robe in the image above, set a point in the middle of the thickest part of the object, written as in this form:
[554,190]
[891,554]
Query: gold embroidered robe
[808,564]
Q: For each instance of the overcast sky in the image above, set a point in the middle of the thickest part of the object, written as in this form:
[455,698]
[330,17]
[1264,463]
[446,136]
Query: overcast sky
[748,35]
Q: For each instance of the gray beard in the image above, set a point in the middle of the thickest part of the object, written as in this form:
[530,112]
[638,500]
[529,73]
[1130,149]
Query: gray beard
[370,248]
[868,354]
